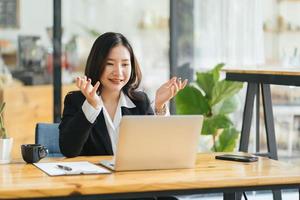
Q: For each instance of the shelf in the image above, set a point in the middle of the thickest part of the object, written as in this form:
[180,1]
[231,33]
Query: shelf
[286,104]
[282,32]
[296,1]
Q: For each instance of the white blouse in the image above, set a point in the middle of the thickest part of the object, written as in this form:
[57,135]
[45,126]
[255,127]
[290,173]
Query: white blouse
[112,125]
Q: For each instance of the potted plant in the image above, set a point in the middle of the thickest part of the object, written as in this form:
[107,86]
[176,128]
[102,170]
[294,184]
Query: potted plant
[5,141]
[214,99]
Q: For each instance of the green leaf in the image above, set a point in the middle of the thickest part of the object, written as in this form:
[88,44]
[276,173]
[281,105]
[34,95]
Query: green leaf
[191,101]
[2,129]
[2,107]
[216,71]
[205,81]
[3,134]
[227,106]
[227,140]
[223,90]
[212,124]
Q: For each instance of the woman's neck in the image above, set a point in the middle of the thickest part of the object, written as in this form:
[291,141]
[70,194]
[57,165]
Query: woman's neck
[110,101]
[108,96]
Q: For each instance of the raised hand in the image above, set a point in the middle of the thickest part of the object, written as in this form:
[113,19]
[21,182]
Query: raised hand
[168,90]
[89,91]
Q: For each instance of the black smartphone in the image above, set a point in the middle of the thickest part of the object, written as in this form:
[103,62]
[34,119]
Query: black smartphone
[239,158]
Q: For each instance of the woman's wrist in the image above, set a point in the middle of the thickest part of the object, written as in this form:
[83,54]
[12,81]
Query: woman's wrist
[160,109]
[94,104]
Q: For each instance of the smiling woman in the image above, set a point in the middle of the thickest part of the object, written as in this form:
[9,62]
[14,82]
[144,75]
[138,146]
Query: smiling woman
[91,116]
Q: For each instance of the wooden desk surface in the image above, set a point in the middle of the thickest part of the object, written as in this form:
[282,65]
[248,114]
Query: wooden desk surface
[19,180]
[272,70]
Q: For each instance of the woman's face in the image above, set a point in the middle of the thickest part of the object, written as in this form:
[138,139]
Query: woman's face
[117,69]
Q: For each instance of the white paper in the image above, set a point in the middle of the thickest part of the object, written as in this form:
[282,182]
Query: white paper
[78,168]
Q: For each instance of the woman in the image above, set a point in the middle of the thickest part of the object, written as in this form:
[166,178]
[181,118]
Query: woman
[92,115]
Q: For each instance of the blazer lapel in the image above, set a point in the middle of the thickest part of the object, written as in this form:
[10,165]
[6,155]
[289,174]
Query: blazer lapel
[129,111]
[104,136]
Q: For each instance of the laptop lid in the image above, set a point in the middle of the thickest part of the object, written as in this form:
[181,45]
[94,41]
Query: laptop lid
[157,142]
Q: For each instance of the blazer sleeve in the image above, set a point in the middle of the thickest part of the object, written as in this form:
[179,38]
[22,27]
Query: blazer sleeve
[74,127]
[149,109]
[144,104]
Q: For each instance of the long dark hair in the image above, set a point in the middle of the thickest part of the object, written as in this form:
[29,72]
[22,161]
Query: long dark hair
[97,59]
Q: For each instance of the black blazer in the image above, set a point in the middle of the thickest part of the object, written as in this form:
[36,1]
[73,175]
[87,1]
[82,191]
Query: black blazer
[80,137]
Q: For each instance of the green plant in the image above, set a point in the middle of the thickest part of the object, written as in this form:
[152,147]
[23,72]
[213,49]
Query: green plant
[214,99]
[3,133]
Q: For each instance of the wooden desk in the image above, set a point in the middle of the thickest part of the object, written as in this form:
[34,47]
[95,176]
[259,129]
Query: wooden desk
[20,180]
[260,78]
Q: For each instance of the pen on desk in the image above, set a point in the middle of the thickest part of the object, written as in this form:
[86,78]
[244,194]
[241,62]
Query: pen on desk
[66,168]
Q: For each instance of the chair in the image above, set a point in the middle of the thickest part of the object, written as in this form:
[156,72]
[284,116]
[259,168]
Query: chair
[48,135]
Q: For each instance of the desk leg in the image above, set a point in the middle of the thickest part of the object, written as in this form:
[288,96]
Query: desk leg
[247,116]
[229,196]
[269,121]
[270,130]
[258,118]
[277,194]
[252,91]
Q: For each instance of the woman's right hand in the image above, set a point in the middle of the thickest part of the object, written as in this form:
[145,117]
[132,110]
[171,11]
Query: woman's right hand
[89,91]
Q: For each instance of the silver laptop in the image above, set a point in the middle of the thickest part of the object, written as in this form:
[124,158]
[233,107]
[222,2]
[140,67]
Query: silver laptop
[156,142]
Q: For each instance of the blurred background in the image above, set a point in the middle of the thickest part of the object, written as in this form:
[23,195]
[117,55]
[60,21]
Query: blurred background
[202,34]
[169,37]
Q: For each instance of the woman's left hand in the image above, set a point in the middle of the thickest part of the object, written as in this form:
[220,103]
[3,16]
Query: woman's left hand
[168,90]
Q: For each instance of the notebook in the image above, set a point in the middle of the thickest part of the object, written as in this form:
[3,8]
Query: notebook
[156,142]
[71,168]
